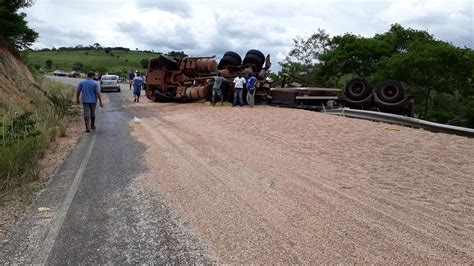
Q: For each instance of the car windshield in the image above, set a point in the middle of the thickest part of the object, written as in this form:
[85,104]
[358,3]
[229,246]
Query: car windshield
[109,78]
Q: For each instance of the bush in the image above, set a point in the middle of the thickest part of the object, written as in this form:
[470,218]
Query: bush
[78,66]
[49,64]
[25,136]
[144,63]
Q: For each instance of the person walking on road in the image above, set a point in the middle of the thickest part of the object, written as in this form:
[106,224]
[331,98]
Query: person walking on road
[130,79]
[90,93]
[251,90]
[137,87]
[216,89]
[239,82]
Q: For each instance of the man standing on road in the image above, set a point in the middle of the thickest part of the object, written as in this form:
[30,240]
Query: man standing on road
[239,82]
[130,79]
[90,93]
[216,89]
[251,90]
[137,87]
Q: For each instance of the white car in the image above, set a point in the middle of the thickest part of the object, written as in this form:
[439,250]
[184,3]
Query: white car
[109,82]
[59,73]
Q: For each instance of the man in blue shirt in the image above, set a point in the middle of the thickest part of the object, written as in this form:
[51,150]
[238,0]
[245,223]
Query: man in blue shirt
[90,93]
[251,90]
[137,87]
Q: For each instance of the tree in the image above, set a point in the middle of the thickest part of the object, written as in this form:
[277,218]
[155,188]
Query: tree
[437,74]
[177,54]
[304,57]
[77,66]
[49,64]
[96,46]
[14,29]
[144,63]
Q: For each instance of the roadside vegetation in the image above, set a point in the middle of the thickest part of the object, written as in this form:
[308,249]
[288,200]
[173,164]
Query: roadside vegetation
[33,111]
[437,74]
[27,133]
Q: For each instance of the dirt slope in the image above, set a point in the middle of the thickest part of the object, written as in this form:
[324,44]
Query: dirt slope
[271,185]
[15,79]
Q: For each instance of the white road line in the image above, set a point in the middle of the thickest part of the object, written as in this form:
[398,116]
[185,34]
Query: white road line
[61,216]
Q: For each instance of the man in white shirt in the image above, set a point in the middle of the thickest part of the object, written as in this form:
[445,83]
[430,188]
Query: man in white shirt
[239,82]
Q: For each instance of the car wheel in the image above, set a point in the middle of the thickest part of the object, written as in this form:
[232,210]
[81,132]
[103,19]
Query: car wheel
[118,90]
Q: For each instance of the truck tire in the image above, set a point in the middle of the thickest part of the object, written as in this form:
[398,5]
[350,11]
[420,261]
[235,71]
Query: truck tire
[228,61]
[234,55]
[390,91]
[257,53]
[254,59]
[357,89]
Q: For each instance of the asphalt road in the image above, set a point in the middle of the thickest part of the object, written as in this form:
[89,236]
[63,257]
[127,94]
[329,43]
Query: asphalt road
[98,213]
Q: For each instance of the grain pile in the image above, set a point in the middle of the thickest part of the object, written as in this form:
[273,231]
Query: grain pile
[273,185]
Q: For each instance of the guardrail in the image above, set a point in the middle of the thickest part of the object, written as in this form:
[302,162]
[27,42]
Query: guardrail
[401,120]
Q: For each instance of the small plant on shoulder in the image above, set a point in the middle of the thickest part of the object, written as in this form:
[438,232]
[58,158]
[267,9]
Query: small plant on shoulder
[21,127]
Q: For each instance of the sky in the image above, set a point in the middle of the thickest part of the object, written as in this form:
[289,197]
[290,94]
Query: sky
[205,27]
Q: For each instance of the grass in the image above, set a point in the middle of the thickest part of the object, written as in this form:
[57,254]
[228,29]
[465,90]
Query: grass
[121,61]
[25,136]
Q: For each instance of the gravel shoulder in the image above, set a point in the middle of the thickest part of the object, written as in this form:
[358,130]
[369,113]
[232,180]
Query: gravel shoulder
[274,185]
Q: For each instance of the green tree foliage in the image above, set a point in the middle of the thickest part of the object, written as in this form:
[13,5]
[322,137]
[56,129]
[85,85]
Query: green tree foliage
[14,29]
[49,63]
[144,63]
[177,54]
[78,66]
[438,75]
[304,57]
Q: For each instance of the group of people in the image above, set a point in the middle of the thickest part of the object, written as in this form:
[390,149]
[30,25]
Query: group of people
[239,83]
[90,91]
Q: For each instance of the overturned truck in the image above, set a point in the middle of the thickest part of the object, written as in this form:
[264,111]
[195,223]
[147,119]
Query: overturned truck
[182,80]
[191,78]
[388,97]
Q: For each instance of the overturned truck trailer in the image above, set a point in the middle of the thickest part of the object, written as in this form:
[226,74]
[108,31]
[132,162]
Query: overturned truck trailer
[181,80]
[191,78]
[388,97]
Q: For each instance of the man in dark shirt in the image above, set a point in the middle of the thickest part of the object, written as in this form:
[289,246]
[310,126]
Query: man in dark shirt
[251,90]
[90,93]
[216,89]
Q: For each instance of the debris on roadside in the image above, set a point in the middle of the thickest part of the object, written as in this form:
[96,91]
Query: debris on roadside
[44,209]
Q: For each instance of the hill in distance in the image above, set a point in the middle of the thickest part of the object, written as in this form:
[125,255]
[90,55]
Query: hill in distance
[118,61]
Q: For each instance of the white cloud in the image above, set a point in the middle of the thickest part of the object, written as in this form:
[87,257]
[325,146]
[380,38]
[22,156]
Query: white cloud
[206,27]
